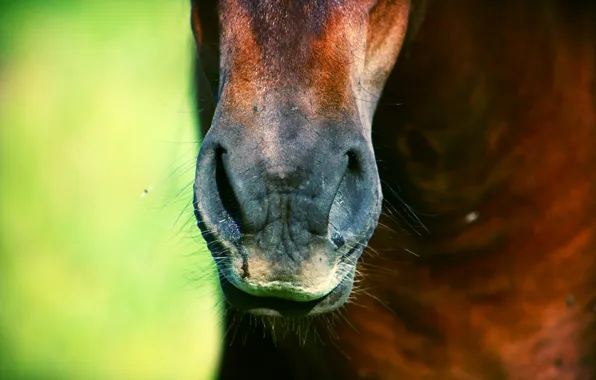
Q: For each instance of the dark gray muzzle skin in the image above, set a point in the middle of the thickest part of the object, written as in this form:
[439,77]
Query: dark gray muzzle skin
[286,208]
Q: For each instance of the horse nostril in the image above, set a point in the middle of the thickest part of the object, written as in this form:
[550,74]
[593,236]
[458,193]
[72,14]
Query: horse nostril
[226,193]
[356,206]
[353,162]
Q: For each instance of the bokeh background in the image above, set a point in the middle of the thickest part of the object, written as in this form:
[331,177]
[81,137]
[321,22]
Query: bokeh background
[102,272]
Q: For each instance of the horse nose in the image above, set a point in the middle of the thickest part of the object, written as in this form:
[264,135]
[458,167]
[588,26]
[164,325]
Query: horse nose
[283,213]
[243,189]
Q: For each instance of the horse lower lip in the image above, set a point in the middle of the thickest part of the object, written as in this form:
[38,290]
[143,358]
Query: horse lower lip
[281,307]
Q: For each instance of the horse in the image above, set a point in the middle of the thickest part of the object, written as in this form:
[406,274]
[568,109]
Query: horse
[410,183]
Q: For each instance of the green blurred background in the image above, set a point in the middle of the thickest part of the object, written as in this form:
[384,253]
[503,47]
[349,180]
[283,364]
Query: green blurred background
[102,274]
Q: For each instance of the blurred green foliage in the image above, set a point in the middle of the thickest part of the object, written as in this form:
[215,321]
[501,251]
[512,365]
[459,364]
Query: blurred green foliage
[102,275]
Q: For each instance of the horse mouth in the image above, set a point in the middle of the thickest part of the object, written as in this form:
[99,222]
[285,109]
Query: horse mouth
[280,307]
